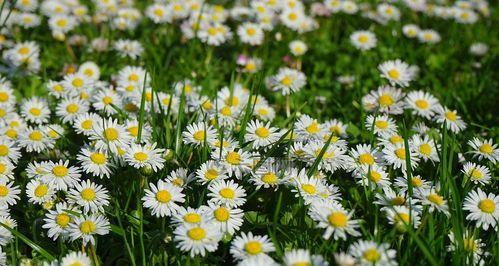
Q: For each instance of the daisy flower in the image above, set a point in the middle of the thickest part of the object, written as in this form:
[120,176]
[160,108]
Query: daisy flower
[180,177]
[258,260]
[483,208]
[107,101]
[235,162]
[261,134]
[35,110]
[95,162]
[410,30]
[335,219]
[84,123]
[425,148]
[228,220]
[90,196]
[69,108]
[401,216]
[434,200]
[428,36]
[270,174]
[9,150]
[162,199]
[484,149]
[198,134]
[389,198]
[369,252]
[86,227]
[382,124]
[61,175]
[35,140]
[363,40]
[363,156]
[250,33]
[478,174]
[307,128]
[6,169]
[298,48]
[470,245]
[332,158]
[8,193]
[197,239]
[395,155]
[5,235]
[190,216]
[416,181]
[76,258]
[450,118]
[248,245]
[287,81]
[147,155]
[397,72]
[372,176]
[227,193]
[129,48]
[39,192]
[76,84]
[58,219]
[421,103]
[306,187]
[302,257]
[110,135]
[210,171]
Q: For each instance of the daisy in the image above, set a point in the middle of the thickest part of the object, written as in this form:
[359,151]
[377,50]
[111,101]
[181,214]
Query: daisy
[287,81]
[84,123]
[401,216]
[425,148]
[261,134]
[107,101]
[3,257]
[250,33]
[372,176]
[363,156]
[302,257]
[307,128]
[478,174]
[483,208]
[9,150]
[383,125]
[306,187]
[484,149]
[134,75]
[434,200]
[35,140]
[70,108]
[428,36]
[336,127]
[190,216]
[416,181]
[363,40]
[332,157]
[162,198]
[6,169]
[90,69]
[132,127]
[39,192]
[410,30]
[95,162]
[210,171]
[228,220]
[86,227]
[388,12]
[147,155]
[110,135]
[421,103]
[479,49]
[158,13]
[35,110]
[8,193]
[298,48]
[395,155]
[369,252]
[54,131]
[385,99]
[270,174]
[235,162]
[129,48]
[180,177]
[397,72]
[197,239]
[61,175]
[337,221]
[248,245]
[471,245]
[76,258]
[58,219]
[390,198]
[450,118]
[76,83]
[90,196]
[227,193]
[258,260]
[198,134]
[5,235]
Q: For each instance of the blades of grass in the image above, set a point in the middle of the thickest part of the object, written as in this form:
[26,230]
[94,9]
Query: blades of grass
[141,110]
[178,135]
[30,243]
[314,166]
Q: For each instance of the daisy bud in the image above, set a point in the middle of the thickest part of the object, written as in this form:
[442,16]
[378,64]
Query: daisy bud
[146,170]
[168,154]
[226,238]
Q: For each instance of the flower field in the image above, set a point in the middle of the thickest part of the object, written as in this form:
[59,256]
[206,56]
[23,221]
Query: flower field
[251,132]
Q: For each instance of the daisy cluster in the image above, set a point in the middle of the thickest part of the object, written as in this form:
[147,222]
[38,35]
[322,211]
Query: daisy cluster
[99,146]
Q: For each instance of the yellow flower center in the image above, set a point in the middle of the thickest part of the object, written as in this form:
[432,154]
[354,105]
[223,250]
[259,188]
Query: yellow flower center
[394,74]
[227,193]
[251,31]
[287,81]
[371,255]
[253,247]
[469,245]
[475,173]
[72,108]
[62,220]
[88,194]
[233,158]
[60,170]
[87,227]
[140,156]
[23,50]
[422,104]
[402,217]
[226,111]
[262,132]
[36,135]
[269,178]
[366,158]
[163,196]
[77,82]
[313,128]
[292,16]
[133,77]
[158,12]
[400,153]
[11,133]
[337,219]
[87,124]
[309,189]
[263,112]
[35,111]
[487,205]
[4,150]
[192,218]
[486,148]
[416,181]
[396,139]
[221,214]
[451,116]
[211,174]
[107,100]
[111,134]
[385,100]
[435,198]
[62,23]
[4,97]
[58,88]
[425,149]
[2,168]
[398,201]
[41,190]
[196,233]
[98,158]
[199,135]
[381,124]
[375,176]
[4,191]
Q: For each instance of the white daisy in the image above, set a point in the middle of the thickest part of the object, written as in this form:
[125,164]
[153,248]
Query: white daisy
[260,134]
[228,193]
[478,174]
[249,245]
[421,103]
[198,134]
[92,197]
[483,208]
[163,198]
[86,227]
[363,40]
[446,116]
[335,219]
[197,239]
[95,162]
[147,155]
[484,149]
[367,253]
[397,72]
[61,175]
